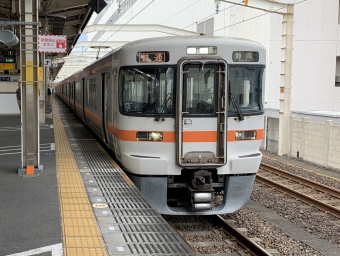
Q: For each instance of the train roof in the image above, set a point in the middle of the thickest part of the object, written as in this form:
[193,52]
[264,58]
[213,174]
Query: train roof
[192,39]
[177,48]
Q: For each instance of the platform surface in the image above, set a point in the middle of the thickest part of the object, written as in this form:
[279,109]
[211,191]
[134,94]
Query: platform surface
[82,203]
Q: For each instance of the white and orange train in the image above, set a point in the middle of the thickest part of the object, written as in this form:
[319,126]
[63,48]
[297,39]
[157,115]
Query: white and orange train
[182,115]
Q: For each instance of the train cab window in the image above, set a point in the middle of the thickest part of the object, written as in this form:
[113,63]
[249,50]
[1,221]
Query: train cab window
[146,90]
[245,87]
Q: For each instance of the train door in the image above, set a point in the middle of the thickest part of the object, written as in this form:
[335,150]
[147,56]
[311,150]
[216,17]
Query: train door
[69,94]
[201,114]
[115,111]
[105,108]
[83,98]
[74,95]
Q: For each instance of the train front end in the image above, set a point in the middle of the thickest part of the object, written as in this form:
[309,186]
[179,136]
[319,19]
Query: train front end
[197,105]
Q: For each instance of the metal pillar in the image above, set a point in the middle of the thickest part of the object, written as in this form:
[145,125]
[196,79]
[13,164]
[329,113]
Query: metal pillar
[287,10]
[286,78]
[30,96]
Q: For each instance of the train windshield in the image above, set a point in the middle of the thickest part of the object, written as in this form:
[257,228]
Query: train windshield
[146,90]
[245,87]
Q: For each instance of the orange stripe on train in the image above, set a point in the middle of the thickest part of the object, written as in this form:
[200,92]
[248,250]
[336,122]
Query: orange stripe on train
[169,136]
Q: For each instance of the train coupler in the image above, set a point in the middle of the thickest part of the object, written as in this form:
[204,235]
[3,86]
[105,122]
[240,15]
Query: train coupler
[201,199]
[201,192]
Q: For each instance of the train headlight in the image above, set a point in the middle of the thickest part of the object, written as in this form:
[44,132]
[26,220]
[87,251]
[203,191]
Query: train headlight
[153,136]
[201,50]
[245,135]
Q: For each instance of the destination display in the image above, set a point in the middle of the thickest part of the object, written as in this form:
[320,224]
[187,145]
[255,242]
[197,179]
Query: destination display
[152,56]
[241,56]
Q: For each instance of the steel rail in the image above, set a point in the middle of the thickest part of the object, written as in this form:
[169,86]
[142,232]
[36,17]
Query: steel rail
[316,185]
[252,247]
[302,197]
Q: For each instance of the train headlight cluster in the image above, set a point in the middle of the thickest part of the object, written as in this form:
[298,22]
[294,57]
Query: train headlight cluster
[201,50]
[245,135]
[153,136]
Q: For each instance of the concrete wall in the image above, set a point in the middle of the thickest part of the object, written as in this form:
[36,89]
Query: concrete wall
[272,134]
[314,142]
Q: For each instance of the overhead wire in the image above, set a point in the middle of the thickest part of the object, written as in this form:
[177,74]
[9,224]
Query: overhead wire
[118,29]
[266,12]
[205,18]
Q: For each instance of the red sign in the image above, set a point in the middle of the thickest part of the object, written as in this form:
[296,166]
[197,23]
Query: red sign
[52,43]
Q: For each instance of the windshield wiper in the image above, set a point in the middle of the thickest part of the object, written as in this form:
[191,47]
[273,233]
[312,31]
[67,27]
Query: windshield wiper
[158,118]
[231,97]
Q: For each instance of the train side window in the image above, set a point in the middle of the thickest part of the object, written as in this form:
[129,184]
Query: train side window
[78,92]
[91,93]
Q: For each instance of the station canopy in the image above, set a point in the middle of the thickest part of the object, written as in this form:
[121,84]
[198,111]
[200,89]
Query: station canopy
[90,35]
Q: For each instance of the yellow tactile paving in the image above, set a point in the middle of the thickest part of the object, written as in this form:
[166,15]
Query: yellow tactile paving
[65,186]
[76,182]
[81,231]
[72,195]
[74,200]
[84,251]
[67,169]
[83,242]
[72,190]
[79,222]
[81,235]
[76,207]
[77,214]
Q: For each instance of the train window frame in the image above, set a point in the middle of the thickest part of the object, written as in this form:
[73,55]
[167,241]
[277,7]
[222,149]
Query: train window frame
[90,101]
[261,102]
[78,91]
[138,114]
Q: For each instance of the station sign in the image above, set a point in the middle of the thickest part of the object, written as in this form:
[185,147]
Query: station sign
[7,66]
[7,59]
[6,78]
[48,63]
[52,43]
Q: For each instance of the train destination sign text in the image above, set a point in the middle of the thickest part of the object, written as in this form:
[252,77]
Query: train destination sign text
[245,56]
[153,57]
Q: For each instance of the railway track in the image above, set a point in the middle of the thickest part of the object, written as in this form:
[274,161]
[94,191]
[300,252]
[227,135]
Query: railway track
[248,244]
[315,194]
[214,235]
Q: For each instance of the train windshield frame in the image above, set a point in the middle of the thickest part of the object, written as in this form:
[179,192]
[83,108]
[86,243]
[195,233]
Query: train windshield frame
[246,86]
[147,90]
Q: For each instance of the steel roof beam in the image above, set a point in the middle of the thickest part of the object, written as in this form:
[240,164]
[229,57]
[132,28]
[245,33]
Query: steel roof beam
[263,5]
[138,28]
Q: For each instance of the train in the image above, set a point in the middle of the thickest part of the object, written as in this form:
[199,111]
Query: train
[182,115]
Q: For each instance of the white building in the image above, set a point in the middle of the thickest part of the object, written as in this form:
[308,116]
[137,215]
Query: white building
[315,67]
[316,30]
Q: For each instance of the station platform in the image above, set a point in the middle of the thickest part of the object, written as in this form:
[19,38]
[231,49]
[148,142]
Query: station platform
[82,203]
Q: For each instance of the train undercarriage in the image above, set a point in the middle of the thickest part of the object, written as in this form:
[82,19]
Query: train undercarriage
[196,189]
